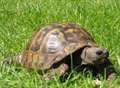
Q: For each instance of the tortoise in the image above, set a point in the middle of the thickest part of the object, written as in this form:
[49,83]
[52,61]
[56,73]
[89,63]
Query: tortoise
[51,48]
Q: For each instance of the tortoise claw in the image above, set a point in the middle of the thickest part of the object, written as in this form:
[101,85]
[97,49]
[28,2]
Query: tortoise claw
[111,77]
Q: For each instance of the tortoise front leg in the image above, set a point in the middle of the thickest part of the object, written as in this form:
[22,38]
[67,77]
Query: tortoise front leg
[61,70]
[107,68]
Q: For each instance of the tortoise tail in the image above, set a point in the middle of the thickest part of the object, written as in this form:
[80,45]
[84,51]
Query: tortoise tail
[12,60]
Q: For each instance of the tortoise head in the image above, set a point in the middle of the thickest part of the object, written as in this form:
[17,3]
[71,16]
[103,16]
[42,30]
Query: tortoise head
[92,55]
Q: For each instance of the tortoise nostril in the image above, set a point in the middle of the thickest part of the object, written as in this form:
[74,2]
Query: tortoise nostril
[99,52]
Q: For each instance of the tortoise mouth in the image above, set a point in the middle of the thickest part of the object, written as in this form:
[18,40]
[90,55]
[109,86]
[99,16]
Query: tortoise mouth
[99,61]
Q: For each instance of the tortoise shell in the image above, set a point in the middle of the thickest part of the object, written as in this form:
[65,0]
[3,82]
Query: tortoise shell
[52,43]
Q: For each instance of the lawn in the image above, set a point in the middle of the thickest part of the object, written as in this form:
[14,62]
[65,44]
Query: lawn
[20,18]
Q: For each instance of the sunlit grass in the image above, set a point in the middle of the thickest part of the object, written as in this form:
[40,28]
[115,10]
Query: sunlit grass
[20,18]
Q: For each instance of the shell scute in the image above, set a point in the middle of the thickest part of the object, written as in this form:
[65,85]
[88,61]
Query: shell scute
[53,43]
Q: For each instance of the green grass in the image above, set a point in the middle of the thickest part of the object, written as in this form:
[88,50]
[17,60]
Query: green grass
[20,18]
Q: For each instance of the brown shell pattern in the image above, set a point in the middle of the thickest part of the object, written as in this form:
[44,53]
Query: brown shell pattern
[54,42]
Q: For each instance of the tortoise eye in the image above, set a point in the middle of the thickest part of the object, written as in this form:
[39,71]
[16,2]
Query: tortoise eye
[99,52]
